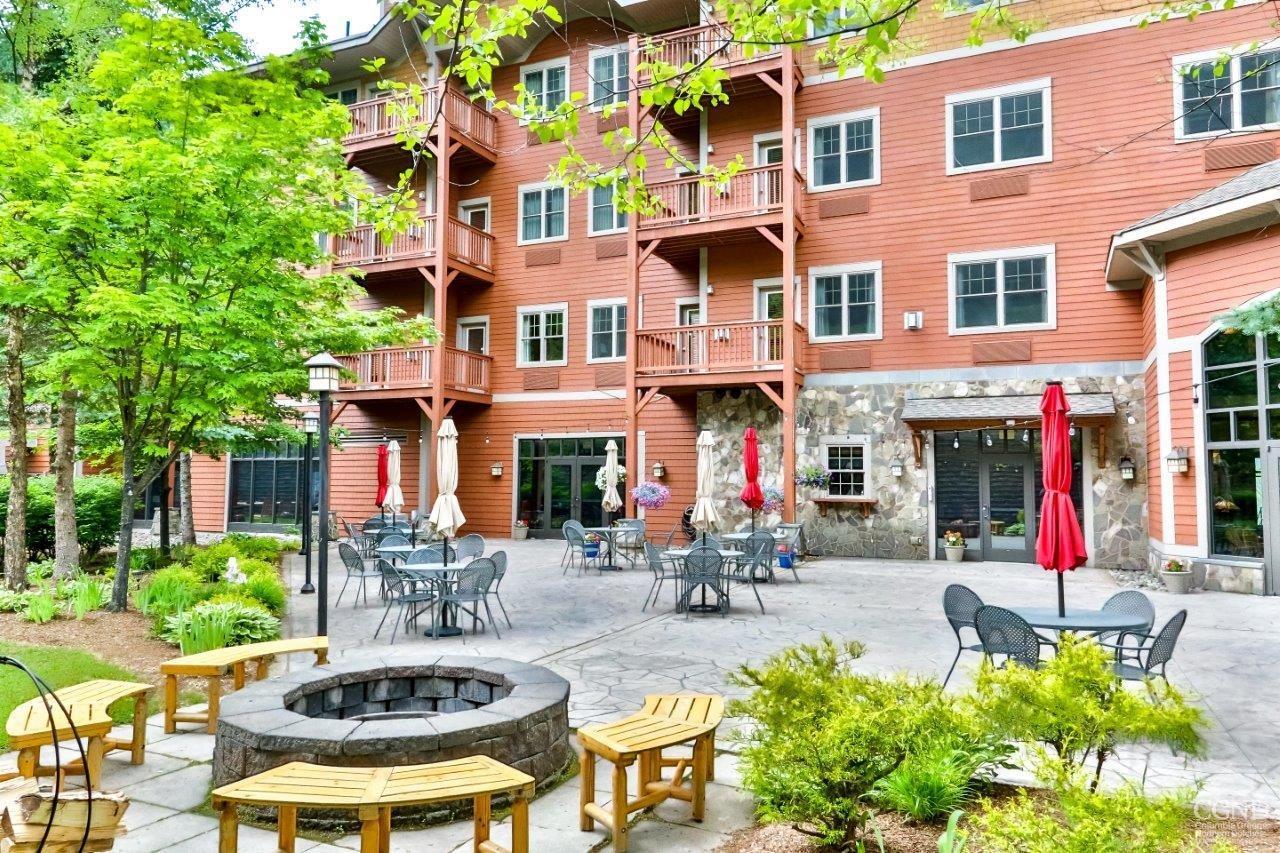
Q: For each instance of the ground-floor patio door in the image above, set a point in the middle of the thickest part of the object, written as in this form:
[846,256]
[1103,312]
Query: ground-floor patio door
[557,482]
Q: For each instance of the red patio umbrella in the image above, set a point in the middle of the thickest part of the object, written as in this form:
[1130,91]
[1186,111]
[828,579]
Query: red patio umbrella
[752,495]
[1059,541]
[383,482]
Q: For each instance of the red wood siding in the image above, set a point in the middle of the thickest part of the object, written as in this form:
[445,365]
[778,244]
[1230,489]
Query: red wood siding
[1205,281]
[1182,420]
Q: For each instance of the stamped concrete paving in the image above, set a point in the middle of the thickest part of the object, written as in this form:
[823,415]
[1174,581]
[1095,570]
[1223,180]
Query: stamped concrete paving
[590,629]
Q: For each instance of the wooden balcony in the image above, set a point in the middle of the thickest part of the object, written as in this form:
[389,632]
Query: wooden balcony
[713,354]
[375,123]
[409,372]
[693,45]
[470,249]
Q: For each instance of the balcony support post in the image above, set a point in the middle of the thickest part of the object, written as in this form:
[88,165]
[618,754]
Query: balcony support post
[634,260]
[788,92]
[441,289]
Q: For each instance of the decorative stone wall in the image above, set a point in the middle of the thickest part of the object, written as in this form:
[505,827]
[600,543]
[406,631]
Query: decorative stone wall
[898,526]
[1217,575]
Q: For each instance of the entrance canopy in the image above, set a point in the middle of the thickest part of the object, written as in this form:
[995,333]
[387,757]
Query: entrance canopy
[1022,410]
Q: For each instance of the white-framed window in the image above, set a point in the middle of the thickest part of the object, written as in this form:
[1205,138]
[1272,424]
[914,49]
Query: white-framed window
[1001,127]
[345,95]
[846,460]
[608,70]
[607,327]
[688,311]
[543,335]
[1005,289]
[603,217]
[475,212]
[844,150]
[547,83]
[832,24]
[473,334]
[1226,92]
[845,303]
[543,214]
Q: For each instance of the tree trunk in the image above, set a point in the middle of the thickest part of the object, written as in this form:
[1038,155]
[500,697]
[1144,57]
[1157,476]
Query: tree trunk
[66,541]
[124,548]
[15,532]
[166,493]
[186,511]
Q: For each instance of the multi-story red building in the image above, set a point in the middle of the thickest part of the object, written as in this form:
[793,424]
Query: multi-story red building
[882,292]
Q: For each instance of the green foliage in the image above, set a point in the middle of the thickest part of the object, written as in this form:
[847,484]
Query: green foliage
[211,563]
[13,601]
[213,626]
[940,775]
[88,594]
[256,547]
[40,608]
[97,513]
[169,591]
[954,839]
[1079,707]
[231,595]
[268,590]
[146,560]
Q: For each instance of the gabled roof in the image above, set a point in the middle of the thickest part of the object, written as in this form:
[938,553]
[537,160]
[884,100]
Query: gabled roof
[1246,201]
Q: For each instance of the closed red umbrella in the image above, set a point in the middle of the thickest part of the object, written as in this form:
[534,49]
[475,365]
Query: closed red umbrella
[752,495]
[1059,541]
[382,476]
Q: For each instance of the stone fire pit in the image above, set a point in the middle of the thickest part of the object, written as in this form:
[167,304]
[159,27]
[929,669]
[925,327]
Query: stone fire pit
[379,711]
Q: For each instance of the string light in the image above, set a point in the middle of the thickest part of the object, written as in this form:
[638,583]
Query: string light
[955,442]
[1072,431]
[1026,436]
[989,441]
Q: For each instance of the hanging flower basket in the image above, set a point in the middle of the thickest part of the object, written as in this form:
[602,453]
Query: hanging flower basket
[651,495]
[600,483]
[772,499]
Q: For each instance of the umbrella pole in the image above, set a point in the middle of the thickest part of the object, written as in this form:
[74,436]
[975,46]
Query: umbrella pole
[1062,597]
[753,521]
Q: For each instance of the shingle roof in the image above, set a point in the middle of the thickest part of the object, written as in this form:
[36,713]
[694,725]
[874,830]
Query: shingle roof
[1257,179]
[1013,407]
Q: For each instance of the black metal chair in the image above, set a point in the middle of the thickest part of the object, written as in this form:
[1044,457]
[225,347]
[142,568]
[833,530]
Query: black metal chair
[1005,633]
[664,569]
[960,604]
[357,570]
[1130,602]
[500,563]
[402,592]
[704,568]
[1151,654]
[389,537]
[472,588]
[471,545]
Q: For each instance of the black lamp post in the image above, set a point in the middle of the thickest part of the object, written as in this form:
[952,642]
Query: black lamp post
[323,371]
[310,423]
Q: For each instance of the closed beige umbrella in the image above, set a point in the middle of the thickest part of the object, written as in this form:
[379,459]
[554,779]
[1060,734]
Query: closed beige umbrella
[612,501]
[446,513]
[705,516]
[394,498]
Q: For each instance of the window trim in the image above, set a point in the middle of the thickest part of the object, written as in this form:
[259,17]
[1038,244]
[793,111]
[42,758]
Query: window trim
[480,201]
[557,62]
[539,186]
[863,441]
[812,126]
[815,273]
[683,302]
[1048,251]
[610,302]
[620,47]
[811,29]
[1044,85]
[471,321]
[521,312]
[1181,61]
[591,205]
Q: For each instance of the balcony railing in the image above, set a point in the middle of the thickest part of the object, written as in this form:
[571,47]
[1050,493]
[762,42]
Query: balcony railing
[471,119]
[710,348]
[375,118]
[695,44]
[362,245]
[750,192]
[393,368]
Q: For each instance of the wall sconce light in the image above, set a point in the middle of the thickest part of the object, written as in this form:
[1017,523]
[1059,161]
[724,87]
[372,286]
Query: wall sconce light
[496,469]
[659,470]
[896,467]
[912,320]
[1178,461]
[1127,468]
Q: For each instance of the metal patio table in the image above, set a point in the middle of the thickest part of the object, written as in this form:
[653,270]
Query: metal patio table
[441,577]
[678,554]
[611,534]
[1081,620]
[396,552]
[741,538]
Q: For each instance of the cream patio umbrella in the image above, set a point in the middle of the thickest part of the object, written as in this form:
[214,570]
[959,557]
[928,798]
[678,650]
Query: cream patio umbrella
[446,514]
[393,500]
[705,516]
[612,501]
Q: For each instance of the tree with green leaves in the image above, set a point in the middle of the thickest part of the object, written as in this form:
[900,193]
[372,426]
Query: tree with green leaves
[162,221]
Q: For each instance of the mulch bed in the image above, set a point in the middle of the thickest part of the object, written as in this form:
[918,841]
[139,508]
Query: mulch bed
[120,638]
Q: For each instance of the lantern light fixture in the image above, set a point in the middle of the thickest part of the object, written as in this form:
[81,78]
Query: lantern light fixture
[1178,461]
[496,469]
[1127,468]
[659,470]
[310,423]
[323,373]
[896,467]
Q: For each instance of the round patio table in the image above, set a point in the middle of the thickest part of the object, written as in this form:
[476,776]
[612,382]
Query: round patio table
[680,553]
[439,576]
[611,535]
[395,552]
[1084,621]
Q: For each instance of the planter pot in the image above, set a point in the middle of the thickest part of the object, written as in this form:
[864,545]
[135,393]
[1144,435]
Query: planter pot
[519,533]
[784,559]
[955,553]
[591,549]
[1178,583]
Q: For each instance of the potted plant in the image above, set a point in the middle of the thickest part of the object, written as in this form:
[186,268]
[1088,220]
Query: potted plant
[813,476]
[591,545]
[1176,575]
[651,495]
[953,545]
[520,530]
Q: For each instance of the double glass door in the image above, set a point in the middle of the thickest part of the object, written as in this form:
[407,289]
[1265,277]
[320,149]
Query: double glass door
[558,482]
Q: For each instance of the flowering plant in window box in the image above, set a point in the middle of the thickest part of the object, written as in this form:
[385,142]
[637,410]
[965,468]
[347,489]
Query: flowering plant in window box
[814,476]
[651,495]
[772,499]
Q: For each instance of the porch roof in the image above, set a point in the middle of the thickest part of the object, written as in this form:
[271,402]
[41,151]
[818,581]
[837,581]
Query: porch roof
[947,412]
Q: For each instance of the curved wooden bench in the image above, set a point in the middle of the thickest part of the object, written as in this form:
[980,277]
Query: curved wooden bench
[643,736]
[88,704]
[214,664]
[372,792]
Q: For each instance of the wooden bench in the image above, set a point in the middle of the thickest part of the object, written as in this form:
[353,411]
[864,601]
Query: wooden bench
[372,792]
[215,664]
[30,726]
[690,720]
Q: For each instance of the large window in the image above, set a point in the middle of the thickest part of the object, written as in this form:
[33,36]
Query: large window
[604,217]
[1242,411]
[266,485]
[609,77]
[1008,126]
[542,336]
[1006,289]
[848,466]
[547,83]
[608,325]
[542,214]
[844,150]
[1217,93]
[845,302]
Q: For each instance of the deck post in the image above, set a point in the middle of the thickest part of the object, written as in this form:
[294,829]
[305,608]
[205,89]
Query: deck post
[632,412]
[789,343]
[441,289]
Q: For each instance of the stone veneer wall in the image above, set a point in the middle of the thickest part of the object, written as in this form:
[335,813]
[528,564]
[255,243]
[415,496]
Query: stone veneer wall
[898,526]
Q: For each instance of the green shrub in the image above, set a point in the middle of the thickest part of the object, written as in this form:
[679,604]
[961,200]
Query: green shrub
[169,591]
[39,571]
[147,560]
[233,596]
[256,547]
[97,513]
[224,624]
[940,776]
[211,563]
[13,601]
[88,594]
[268,590]
[40,608]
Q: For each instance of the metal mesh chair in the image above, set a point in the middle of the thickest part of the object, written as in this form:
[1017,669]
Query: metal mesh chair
[472,588]
[389,537]
[402,592]
[1130,602]
[500,564]
[357,570]
[1005,633]
[756,564]
[961,604]
[371,525]
[575,545]
[471,545]
[663,569]
[703,568]
[795,541]
[430,554]
[1149,659]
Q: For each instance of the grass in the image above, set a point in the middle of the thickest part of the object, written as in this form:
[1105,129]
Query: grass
[59,668]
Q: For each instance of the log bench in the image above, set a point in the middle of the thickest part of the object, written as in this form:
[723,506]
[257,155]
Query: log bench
[88,705]
[372,792]
[213,665]
[665,721]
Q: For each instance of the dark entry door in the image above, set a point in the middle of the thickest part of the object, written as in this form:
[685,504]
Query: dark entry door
[1008,529]
[558,483]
